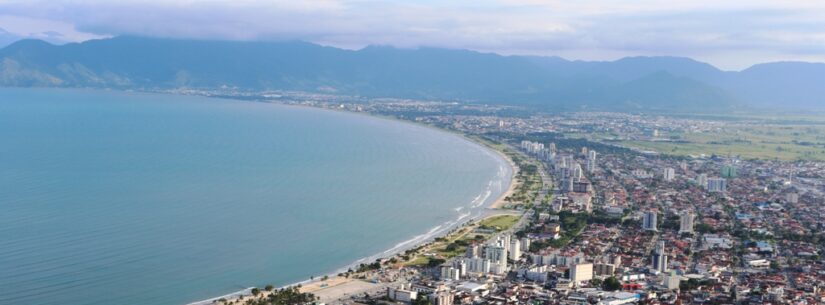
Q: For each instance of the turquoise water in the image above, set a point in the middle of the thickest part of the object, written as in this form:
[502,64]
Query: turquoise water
[127,198]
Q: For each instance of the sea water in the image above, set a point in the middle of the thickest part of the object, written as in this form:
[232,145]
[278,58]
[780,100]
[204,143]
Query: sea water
[132,198]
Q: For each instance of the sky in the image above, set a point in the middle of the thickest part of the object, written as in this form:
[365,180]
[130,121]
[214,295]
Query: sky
[730,34]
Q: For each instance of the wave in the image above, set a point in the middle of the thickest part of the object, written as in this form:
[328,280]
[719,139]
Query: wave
[473,213]
[244,292]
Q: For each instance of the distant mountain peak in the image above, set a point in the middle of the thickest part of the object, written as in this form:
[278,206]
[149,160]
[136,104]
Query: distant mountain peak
[645,82]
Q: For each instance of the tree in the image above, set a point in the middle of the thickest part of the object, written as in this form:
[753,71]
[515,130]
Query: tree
[269,287]
[611,284]
[421,300]
[433,262]
[256,291]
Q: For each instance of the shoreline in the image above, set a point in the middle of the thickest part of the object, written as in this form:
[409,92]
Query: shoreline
[514,169]
[441,230]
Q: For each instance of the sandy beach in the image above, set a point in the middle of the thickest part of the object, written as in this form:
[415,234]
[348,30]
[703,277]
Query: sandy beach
[500,202]
[337,288]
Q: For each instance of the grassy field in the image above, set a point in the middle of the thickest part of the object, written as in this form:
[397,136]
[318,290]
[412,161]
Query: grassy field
[500,223]
[456,243]
[779,141]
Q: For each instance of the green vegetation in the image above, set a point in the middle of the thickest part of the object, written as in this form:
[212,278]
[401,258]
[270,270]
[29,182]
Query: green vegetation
[421,300]
[456,243]
[499,223]
[367,267]
[528,180]
[571,224]
[419,261]
[751,141]
[704,228]
[284,296]
[692,284]
[611,284]
[433,262]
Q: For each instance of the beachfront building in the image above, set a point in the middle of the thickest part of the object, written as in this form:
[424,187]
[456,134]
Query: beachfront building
[472,251]
[515,249]
[477,265]
[497,255]
[525,244]
[403,293]
[450,273]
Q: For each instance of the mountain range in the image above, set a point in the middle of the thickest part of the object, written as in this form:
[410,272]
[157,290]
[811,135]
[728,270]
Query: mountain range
[673,84]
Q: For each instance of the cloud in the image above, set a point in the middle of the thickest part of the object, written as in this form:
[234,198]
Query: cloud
[16,27]
[585,29]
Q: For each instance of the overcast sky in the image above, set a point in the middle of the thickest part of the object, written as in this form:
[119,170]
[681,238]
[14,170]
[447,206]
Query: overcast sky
[730,34]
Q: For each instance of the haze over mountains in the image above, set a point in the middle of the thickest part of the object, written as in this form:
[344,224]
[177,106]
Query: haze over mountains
[635,83]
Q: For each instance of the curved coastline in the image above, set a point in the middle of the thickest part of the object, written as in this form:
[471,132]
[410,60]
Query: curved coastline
[504,182]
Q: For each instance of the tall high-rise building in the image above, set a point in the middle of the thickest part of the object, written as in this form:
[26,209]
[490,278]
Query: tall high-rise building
[525,244]
[590,165]
[668,174]
[569,184]
[728,171]
[615,260]
[686,222]
[649,221]
[449,273]
[497,254]
[717,185]
[659,257]
[671,281]
[515,249]
[478,265]
[581,272]
[702,180]
[472,251]
[577,171]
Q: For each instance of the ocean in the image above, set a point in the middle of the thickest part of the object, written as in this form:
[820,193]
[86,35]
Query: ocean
[111,197]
